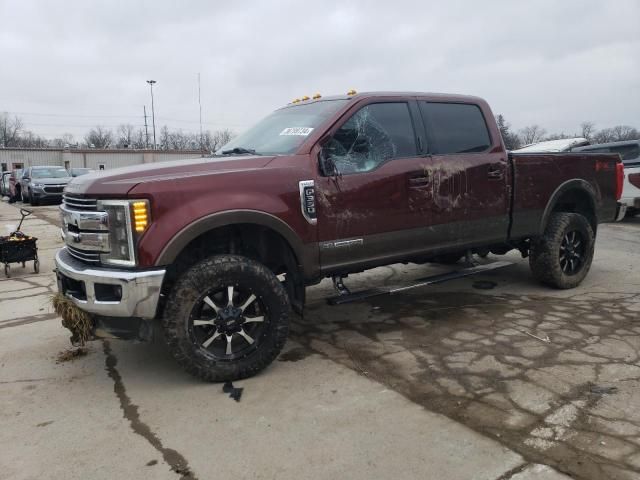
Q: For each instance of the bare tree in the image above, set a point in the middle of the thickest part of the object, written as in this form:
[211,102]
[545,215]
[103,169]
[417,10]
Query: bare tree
[139,139]
[99,137]
[531,134]
[179,140]
[624,132]
[68,139]
[557,136]
[511,141]
[604,136]
[587,130]
[125,133]
[28,139]
[10,129]
[64,141]
[165,135]
[213,141]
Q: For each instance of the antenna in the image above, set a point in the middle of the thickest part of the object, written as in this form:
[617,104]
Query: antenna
[200,106]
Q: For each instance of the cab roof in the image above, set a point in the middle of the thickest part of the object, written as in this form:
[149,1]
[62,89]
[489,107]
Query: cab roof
[442,97]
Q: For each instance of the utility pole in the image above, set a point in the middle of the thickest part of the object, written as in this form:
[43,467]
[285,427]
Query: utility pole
[153,113]
[146,131]
[200,106]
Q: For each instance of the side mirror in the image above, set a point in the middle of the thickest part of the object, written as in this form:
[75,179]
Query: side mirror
[327,165]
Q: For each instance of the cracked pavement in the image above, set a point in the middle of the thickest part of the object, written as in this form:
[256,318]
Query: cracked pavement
[446,382]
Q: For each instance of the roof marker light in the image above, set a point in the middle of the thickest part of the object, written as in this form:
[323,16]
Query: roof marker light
[305,98]
[317,96]
[351,92]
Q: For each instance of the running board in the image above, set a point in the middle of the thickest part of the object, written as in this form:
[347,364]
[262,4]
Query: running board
[421,282]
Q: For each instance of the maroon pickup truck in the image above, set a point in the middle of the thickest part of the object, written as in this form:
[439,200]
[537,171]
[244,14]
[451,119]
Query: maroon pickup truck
[219,250]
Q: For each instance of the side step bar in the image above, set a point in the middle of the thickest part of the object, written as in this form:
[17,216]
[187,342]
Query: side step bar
[421,282]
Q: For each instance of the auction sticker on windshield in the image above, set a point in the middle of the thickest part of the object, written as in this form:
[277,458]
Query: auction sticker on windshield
[302,131]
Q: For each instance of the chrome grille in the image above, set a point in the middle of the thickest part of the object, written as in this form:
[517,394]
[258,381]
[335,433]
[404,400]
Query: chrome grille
[79,203]
[83,255]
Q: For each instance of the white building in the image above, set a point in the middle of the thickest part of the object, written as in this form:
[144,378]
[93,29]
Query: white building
[96,159]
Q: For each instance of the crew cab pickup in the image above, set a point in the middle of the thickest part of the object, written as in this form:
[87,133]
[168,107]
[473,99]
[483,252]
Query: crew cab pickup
[219,250]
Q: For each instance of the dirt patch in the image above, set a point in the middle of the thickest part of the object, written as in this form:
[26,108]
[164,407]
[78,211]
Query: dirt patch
[71,354]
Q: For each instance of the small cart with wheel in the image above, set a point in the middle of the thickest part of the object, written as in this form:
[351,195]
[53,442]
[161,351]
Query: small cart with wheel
[19,248]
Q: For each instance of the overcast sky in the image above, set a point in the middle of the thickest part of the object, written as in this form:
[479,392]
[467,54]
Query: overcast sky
[68,65]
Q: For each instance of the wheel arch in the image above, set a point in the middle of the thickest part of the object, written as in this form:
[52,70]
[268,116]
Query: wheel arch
[226,219]
[257,235]
[573,196]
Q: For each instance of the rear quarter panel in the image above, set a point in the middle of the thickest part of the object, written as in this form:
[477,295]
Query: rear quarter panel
[540,178]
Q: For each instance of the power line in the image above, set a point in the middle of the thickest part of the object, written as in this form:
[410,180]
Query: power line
[72,115]
[170,119]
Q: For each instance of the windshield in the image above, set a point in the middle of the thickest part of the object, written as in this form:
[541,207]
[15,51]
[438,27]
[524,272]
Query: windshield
[284,130]
[49,173]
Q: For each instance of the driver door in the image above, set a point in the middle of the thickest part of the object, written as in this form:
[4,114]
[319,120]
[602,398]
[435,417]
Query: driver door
[362,211]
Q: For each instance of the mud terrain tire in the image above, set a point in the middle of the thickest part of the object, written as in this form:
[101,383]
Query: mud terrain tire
[568,235]
[196,287]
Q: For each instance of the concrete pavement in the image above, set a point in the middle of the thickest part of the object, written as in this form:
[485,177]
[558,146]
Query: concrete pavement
[361,390]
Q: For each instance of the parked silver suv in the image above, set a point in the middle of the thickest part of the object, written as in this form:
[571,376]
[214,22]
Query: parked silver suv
[43,183]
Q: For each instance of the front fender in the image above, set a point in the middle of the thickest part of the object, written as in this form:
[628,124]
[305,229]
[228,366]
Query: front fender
[231,217]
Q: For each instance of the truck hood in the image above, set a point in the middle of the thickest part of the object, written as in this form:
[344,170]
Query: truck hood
[119,181]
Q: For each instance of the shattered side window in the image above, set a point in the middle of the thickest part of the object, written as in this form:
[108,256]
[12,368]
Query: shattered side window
[373,135]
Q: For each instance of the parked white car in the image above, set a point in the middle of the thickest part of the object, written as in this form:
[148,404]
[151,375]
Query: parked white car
[629,150]
[551,146]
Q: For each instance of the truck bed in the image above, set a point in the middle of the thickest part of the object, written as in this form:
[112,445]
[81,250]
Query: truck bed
[538,180]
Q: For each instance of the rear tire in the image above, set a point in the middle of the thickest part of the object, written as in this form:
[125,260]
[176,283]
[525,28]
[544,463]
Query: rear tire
[220,340]
[562,257]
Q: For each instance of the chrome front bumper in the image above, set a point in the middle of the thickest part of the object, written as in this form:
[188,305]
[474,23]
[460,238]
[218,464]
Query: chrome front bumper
[108,291]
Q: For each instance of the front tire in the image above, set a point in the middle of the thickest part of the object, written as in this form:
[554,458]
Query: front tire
[32,200]
[226,318]
[562,257]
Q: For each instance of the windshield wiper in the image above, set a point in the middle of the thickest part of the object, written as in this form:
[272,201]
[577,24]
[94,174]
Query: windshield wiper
[239,150]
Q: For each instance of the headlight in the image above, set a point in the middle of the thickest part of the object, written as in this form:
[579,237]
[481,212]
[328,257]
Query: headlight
[128,219]
[38,185]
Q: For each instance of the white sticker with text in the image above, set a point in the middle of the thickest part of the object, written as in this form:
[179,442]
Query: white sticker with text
[302,131]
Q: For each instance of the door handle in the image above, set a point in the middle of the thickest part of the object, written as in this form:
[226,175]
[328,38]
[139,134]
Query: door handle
[418,181]
[495,172]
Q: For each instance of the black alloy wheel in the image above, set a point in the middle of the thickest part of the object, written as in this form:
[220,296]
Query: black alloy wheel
[228,322]
[572,252]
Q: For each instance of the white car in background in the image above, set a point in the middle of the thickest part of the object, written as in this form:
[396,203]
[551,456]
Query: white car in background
[629,151]
[553,146]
